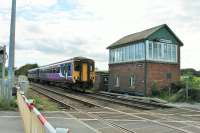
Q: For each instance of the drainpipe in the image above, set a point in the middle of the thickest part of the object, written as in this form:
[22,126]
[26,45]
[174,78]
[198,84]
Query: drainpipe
[145,68]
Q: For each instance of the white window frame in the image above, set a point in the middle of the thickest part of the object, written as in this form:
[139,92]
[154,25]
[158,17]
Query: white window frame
[132,80]
[166,55]
[117,81]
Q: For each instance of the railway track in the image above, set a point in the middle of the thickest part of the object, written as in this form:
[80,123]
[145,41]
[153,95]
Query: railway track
[79,105]
[84,105]
[131,100]
[139,104]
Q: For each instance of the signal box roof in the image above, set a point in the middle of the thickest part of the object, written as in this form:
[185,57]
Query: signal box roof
[143,35]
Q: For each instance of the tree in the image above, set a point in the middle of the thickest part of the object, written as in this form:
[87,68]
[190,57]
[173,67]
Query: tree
[191,71]
[6,71]
[23,70]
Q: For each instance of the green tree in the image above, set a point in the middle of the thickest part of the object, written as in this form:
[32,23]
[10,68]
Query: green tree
[23,70]
[6,71]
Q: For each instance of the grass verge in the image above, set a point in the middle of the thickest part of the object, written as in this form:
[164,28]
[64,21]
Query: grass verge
[41,102]
[8,106]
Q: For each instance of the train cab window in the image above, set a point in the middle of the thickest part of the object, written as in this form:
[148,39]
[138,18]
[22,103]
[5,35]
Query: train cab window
[91,68]
[77,67]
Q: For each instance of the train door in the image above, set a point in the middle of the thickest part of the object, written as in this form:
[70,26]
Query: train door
[84,72]
[62,70]
[68,70]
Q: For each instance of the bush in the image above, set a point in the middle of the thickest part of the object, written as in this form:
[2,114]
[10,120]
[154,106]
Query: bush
[154,89]
[178,96]
[176,86]
[194,95]
[4,105]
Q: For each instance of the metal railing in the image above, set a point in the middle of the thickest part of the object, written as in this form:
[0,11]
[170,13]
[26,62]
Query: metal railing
[5,92]
[33,120]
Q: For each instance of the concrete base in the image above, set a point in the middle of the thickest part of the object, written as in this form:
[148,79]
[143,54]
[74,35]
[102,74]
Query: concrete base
[171,120]
[154,121]
[10,122]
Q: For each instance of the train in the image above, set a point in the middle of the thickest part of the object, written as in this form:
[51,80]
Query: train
[76,73]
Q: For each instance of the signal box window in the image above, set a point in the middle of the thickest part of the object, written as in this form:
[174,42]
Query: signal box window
[132,80]
[168,76]
[117,81]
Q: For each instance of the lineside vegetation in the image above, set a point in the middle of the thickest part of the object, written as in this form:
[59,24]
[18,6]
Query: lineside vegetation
[4,105]
[41,102]
[177,92]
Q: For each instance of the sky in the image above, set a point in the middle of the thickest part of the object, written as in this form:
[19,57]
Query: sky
[48,31]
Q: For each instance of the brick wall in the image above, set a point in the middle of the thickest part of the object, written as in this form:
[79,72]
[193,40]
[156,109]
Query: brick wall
[124,71]
[158,72]
[155,72]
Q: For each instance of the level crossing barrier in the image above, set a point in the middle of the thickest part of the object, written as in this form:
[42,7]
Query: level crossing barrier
[33,120]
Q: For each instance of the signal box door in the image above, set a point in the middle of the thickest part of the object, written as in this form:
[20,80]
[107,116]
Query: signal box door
[84,72]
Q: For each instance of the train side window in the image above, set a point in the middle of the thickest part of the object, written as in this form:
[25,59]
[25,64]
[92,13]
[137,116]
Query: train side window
[57,69]
[69,70]
[63,70]
[69,67]
[54,70]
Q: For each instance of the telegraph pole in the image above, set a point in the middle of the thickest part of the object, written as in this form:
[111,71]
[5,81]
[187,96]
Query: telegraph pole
[11,57]
[3,70]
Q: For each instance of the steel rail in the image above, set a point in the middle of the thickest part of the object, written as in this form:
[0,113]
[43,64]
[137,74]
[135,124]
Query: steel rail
[45,93]
[89,104]
[134,100]
[122,128]
[98,98]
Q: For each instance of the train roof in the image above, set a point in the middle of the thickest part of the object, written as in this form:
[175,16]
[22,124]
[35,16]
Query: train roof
[33,69]
[65,61]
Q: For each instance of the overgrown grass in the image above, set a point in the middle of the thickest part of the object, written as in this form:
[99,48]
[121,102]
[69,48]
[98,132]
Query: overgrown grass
[5,105]
[193,96]
[41,102]
[92,90]
[178,91]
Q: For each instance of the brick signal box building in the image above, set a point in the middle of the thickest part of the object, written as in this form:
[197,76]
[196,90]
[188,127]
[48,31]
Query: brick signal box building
[139,59]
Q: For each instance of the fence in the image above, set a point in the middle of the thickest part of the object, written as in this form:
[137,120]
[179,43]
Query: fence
[33,120]
[5,92]
[23,83]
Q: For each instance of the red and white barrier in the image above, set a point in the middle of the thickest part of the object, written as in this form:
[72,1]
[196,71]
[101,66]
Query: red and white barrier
[47,126]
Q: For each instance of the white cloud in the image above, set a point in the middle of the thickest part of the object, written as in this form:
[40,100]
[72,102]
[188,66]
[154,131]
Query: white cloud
[91,25]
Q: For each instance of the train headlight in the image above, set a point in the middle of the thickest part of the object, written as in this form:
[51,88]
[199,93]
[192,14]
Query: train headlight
[76,77]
